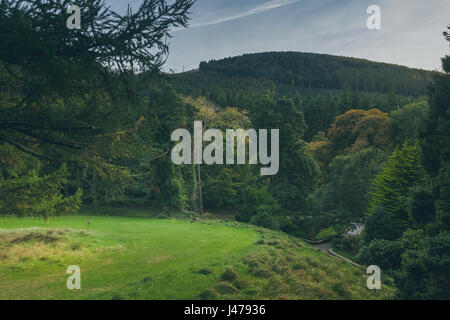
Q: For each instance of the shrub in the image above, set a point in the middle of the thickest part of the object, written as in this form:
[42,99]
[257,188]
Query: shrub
[326,233]
[425,269]
[350,244]
[265,218]
[32,194]
[380,225]
[226,288]
[383,253]
[208,294]
[420,205]
[208,215]
[286,225]
[254,200]
[205,271]
[229,275]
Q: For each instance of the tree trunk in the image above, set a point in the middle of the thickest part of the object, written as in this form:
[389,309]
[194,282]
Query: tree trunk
[199,186]
[78,178]
[94,188]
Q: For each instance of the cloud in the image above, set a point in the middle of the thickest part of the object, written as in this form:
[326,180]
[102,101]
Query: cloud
[259,9]
[411,31]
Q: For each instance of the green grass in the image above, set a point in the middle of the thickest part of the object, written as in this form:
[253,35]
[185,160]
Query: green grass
[141,258]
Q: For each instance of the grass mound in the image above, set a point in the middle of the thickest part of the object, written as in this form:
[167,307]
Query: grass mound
[33,236]
[286,268]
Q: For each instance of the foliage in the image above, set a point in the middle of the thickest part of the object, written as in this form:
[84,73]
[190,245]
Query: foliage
[326,234]
[359,129]
[391,185]
[343,198]
[252,199]
[425,265]
[381,225]
[26,191]
[425,254]
[309,70]
[420,205]
[407,121]
[239,82]
[265,217]
[221,185]
[349,244]
[298,171]
[384,253]
[436,147]
[73,97]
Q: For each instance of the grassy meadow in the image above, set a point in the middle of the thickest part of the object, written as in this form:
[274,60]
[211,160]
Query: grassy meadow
[142,258]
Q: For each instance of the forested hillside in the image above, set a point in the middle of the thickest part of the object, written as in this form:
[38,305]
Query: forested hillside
[320,71]
[321,86]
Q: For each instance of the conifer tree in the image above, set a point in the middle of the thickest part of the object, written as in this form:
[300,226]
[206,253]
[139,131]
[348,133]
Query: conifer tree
[391,185]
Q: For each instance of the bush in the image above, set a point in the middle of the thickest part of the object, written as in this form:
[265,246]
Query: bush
[380,225]
[205,271]
[350,244]
[208,294]
[326,233]
[226,288]
[229,275]
[383,253]
[208,215]
[32,194]
[265,218]
[420,205]
[425,269]
[257,202]
[286,225]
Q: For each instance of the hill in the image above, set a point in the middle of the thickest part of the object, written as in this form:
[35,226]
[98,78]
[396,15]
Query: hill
[321,86]
[315,71]
[170,259]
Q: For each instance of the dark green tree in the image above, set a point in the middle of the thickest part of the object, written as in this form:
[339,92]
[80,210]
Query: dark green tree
[73,95]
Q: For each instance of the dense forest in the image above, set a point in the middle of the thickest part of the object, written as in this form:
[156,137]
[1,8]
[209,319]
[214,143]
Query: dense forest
[361,143]
[320,71]
[321,86]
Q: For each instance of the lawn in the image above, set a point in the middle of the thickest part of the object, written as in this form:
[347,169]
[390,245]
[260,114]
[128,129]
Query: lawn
[141,258]
[116,253]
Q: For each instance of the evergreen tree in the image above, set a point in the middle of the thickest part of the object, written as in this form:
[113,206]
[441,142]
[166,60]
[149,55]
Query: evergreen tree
[391,185]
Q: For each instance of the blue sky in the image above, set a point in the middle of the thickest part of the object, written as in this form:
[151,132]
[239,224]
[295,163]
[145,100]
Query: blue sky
[411,30]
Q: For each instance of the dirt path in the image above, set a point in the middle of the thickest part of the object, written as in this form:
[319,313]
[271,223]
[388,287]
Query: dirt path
[327,247]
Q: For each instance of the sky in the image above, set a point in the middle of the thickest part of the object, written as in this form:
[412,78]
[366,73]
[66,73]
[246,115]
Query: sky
[410,34]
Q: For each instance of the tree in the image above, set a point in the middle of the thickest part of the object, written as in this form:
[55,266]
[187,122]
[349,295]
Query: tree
[53,65]
[358,129]
[446,59]
[425,259]
[392,184]
[220,185]
[425,264]
[25,191]
[420,205]
[74,95]
[343,197]
[407,122]
[436,144]
[298,170]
